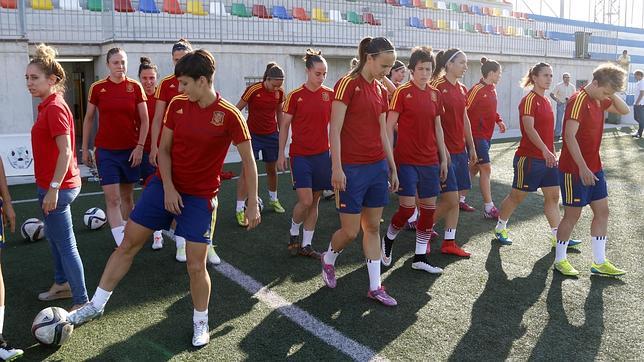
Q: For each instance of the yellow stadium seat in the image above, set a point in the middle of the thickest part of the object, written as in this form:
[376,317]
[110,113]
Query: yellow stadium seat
[318,15]
[443,24]
[195,7]
[42,5]
[429,4]
[497,12]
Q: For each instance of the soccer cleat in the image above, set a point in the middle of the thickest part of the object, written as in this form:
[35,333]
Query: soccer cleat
[450,247]
[493,214]
[84,314]
[181,254]
[241,218]
[201,334]
[309,251]
[277,207]
[213,258]
[328,194]
[8,353]
[607,268]
[566,269]
[572,243]
[422,264]
[386,248]
[294,245]
[465,207]
[328,273]
[502,236]
[157,240]
[381,295]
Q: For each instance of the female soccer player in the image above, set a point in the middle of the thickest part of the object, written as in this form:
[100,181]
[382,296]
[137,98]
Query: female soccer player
[361,152]
[119,149]
[397,73]
[7,353]
[57,175]
[481,110]
[535,162]
[264,100]
[420,155]
[458,134]
[198,129]
[308,110]
[581,176]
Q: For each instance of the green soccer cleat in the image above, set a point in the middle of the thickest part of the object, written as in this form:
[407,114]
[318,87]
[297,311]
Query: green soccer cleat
[502,236]
[572,243]
[241,218]
[566,269]
[607,268]
[277,207]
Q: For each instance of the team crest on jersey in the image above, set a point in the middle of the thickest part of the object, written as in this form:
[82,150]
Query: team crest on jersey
[325,96]
[434,98]
[218,118]
[129,88]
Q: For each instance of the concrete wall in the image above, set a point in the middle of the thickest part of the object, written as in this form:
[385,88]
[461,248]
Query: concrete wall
[16,114]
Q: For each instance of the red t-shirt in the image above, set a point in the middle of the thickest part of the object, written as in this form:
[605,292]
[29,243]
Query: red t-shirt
[117,111]
[262,108]
[200,141]
[454,102]
[54,119]
[360,136]
[539,108]
[417,111]
[311,113]
[481,109]
[168,88]
[150,103]
[590,115]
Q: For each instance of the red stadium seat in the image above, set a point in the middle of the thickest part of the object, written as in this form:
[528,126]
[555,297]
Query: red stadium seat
[172,7]
[420,4]
[300,14]
[479,28]
[123,6]
[465,9]
[370,19]
[9,4]
[393,2]
[260,11]
[429,23]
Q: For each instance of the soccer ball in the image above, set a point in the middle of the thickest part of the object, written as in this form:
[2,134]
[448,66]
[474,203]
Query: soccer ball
[51,327]
[32,229]
[94,218]
[260,204]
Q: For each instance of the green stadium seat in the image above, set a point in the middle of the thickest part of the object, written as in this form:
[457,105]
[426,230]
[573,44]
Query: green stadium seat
[172,7]
[240,10]
[455,7]
[354,18]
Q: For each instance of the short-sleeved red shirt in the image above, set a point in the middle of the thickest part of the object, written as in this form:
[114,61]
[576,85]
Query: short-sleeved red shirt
[481,109]
[200,140]
[168,88]
[539,108]
[311,113]
[360,136]
[262,108]
[150,103]
[417,109]
[590,115]
[117,111]
[454,100]
[54,119]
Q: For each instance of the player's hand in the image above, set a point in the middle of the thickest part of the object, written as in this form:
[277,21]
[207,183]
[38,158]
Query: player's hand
[9,216]
[253,215]
[281,163]
[502,127]
[136,156]
[443,171]
[88,159]
[588,178]
[172,201]
[551,159]
[394,183]
[154,151]
[338,179]
[474,158]
[50,201]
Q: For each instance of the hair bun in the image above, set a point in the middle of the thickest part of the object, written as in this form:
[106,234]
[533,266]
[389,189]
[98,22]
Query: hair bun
[310,52]
[146,60]
[483,60]
[45,53]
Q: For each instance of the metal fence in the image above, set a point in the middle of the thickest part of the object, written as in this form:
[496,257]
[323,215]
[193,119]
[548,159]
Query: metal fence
[332,23]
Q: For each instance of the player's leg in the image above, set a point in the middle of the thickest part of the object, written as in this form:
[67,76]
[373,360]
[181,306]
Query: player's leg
[427,208]
[308,228]
[196,253]
[349,228]
[599,229]
[6,351]
[409,179]
[300,214]
[126,190]
[370,223]
[462,172]
[564,230]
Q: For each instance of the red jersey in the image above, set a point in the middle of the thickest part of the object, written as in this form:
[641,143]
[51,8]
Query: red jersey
[590,115]
[150,103]
[360,136]
[417,111]
[117,110]
[311,113]
[54,119]
[454,100]
[168,88]
[200,141]
[539,108]
[481,109]
[262,108]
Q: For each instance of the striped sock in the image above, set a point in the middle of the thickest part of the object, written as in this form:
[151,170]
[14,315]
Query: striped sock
[560,251]
[598,244]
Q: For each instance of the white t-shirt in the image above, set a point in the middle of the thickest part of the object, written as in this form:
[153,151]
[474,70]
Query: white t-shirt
[563,91]
[640,88]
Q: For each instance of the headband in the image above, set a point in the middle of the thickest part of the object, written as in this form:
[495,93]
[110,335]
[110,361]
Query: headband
[452,57]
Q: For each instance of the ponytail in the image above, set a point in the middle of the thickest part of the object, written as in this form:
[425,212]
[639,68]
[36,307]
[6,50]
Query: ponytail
[534,71]
[273,71]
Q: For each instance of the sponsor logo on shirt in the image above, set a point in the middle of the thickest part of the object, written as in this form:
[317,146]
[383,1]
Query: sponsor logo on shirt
[408,95]
[484,95]
[325,96]
[218,118]
[172,86]
[357,89]
[444,90]
[179,111]
[129,88]
[103,90]
[300,99]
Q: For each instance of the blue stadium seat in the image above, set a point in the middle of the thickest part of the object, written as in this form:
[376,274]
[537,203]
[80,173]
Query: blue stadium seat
[407,3]
[476,10]
[490,29]
[280,12]
[415,22]
[148,6]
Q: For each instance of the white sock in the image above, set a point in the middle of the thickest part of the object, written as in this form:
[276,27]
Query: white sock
[413,217]
[392,232]
[295,228]
[100,298]
[158,234]
[240,206]
[450,234]
[422,239]
[307,238]
[554,232]
[198,316]
[331,255]
[461,198]
[560,251]
[118,234]
[1,318]
[599,248]
[488,206]
[373,267]
[272,195]
[502,224]
[180,241]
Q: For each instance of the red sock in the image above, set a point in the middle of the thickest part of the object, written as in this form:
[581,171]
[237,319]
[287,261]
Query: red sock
[401,216]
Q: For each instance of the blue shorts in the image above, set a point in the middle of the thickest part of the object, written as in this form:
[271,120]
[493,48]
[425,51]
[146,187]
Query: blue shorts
[458,174]
[482,150]
[531,173]
[574,193]
[114,167]
[268,144]
[196,222]
[312,172]
[146,168]
[367,186]
[423,181]
[2,239]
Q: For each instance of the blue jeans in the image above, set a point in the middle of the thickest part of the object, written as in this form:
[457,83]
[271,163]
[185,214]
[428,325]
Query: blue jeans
[68,266]
[561,109]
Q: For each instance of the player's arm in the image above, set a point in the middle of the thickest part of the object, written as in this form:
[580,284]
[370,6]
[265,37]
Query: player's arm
[392,121]
[442,149]
[469,139]
[172,199]
[88,125]
[499,122]
[241,104]
[245,151]
[533,136]
[7,207]
[285,125]
[384,138]
[155,129]
[65,153]
[639,97]
[389,85]
[618,105]
[570,137]
[137,153]
[338,179]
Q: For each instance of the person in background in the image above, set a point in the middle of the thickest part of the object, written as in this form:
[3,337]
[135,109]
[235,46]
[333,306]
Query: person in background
[562,92]
[638,107]
[624,60]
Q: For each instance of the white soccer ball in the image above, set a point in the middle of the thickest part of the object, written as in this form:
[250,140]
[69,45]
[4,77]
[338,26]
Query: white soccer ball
[32,229]
[51,327]
[94,218]
[260,204]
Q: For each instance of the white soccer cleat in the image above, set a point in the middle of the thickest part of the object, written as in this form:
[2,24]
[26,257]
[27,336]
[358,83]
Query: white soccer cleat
[201,335]
[213,258]
[157,240]
[421,265]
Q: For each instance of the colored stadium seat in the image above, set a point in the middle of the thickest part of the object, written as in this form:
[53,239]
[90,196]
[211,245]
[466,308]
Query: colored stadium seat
[509,31]
[485,11]
[453,25]
[240,10]
[443,24]
[300,14]
[70,5]
[218,9]
[393,2]
[419,4]
[479,28]
[429,24]
[172,7]
[370,19]
[335,15]
[195,7]
[318,15]
[516,14]
[429,4]
[490,29]
[415,22]
[280,12]
[261,12]
[407,3]
[476,10]
[123,6]
[440,5]
[469,28]
[9,4]
[148,6]
[455,7]
[465,9]
[497,12]
[354,18]
[506,13]
[42,5]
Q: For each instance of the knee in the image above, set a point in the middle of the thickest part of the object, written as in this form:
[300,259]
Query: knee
[485,169]
[127,198]
[196,267]
[113,200]
[601,213]
[350,232]
[306,201]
